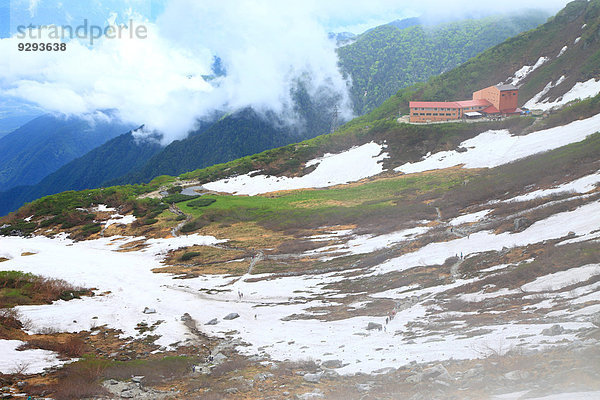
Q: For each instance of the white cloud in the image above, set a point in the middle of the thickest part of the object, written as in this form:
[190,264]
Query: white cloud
[33,7]
[146,81]
[158,81]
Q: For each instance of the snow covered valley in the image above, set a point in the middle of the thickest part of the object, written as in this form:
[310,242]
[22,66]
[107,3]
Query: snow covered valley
[487,284]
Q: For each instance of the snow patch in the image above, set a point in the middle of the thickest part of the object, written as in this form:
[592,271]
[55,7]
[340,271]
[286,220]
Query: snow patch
[493,148]
[119,220]
[104,208]
[562,51]
[559,280]
[580,91]
[581,185]
[332,169]
[469,218]
[561,396]
[555,226]
[535,100]
[480,296]
[32,361]
[364,244]
[524,71]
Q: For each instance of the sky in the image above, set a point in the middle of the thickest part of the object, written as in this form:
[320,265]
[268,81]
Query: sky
[164,80]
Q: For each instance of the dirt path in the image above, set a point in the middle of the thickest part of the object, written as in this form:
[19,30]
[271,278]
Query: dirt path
[258,257]
[263,300]
[175,210]
[455,269]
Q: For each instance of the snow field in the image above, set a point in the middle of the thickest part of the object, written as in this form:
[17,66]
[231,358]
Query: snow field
[32,361]
[581,91]
[332,169]
[494,148]
[267,304]
[582,185]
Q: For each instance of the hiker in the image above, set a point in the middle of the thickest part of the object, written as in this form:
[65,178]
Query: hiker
[461,256]
[387,319]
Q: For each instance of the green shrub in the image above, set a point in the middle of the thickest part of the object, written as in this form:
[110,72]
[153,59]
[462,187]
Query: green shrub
[24,227]
[202,202]
[189,227]
[175,189]
[92,228]
[189,255]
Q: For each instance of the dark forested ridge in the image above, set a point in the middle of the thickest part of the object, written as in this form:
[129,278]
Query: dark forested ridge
[113,159]
[47,143]
[234,136]
[388,58]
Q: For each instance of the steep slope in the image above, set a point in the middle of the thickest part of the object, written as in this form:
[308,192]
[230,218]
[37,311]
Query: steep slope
[48,142]
[111,160]
[394,56]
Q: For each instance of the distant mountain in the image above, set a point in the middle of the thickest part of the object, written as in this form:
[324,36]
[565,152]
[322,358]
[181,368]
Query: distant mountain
[237,135]
[406,22]
[111,160]
[243,133]
[397,55]
[10,123]
[46,143]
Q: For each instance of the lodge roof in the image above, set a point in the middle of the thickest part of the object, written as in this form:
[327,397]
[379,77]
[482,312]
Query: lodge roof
[442,104]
